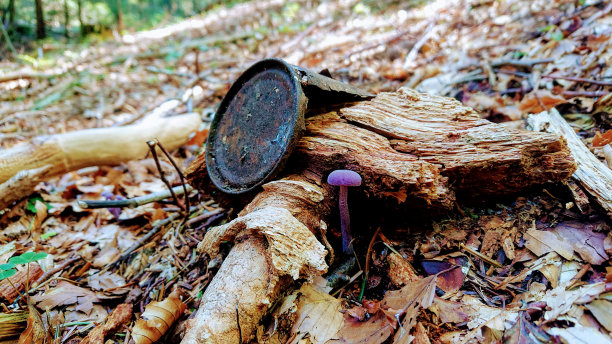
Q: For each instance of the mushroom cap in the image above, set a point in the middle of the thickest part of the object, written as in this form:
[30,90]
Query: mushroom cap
[344,178]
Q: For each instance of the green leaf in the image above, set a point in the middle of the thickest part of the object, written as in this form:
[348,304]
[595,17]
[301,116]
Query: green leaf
[18,260]
[31,205]
[28,257]
[7,273]
[546,28]
[40,255]
[6,266]
[48,235]
[557,36]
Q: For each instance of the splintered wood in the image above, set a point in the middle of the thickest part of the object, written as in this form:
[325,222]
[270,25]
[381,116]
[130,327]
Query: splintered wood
[593,174]
[414,146]
[415,150]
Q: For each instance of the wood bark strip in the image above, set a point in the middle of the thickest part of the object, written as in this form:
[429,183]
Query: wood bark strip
[20,281]
[593,174]
[412,149]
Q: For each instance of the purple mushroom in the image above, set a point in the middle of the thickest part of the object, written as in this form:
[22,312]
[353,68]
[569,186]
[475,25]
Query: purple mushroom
[344,179]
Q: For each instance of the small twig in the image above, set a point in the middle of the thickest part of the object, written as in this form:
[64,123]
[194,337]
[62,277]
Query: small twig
[157,70]
[481,256]
[197,61]
[156,228]
[571,78]
[385,42]
[238,324]
[429,31]
[516,90]
[133,202]
[520,63]
[366,270]
[467,78]
[511,62]
[351,280]
[52,272]
[585,93]
[181,176]
[205,216]
[162,175]
[596,16]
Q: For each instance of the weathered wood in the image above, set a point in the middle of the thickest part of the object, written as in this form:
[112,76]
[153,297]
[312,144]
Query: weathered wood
[434,145]
[24,165]
[411,149]
[273,247]
[593,174]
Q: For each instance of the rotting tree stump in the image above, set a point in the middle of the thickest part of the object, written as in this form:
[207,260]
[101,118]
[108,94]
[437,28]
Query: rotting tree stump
[412,149]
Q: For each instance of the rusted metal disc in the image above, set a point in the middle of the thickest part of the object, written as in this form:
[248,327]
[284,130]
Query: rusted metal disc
[256,127]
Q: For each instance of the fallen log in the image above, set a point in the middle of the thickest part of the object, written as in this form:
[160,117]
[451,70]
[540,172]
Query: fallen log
[414,150]
[24,165]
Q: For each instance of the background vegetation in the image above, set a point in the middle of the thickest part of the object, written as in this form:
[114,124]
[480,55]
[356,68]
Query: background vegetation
[27,20]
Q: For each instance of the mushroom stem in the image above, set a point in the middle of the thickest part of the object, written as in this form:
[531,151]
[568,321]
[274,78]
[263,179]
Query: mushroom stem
[345,221]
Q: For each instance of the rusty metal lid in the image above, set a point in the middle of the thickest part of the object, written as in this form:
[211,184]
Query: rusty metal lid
[260,121]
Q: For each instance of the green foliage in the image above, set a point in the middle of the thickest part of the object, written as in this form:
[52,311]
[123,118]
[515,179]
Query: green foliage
[27,258]
[6,266]
[99,17]
[291,10]
[7,270]
[31,204]
[557,35]
[48,235]
[7,273]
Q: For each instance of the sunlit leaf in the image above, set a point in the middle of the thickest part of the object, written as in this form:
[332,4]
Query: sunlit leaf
[28,257]
[7,273]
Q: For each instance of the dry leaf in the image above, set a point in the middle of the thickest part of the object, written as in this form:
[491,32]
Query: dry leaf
[449,311]
[525,332]
[108,280]
[375,330]
[400,270]
[420,334]
[157,319]
[602,311]
[410,300]
[479,314]
[35,332]
[67,294]
[542,242]
[559,300]
[39,217]
[580,334]
[602,139]
[586,242]
[531,104]
[318,314]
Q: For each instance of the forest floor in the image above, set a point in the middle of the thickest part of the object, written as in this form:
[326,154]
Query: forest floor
[530,268]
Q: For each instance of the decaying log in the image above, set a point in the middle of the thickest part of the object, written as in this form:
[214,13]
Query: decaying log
[52,155]
[273,247]
[593,174]
[410,145]
[412,149]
